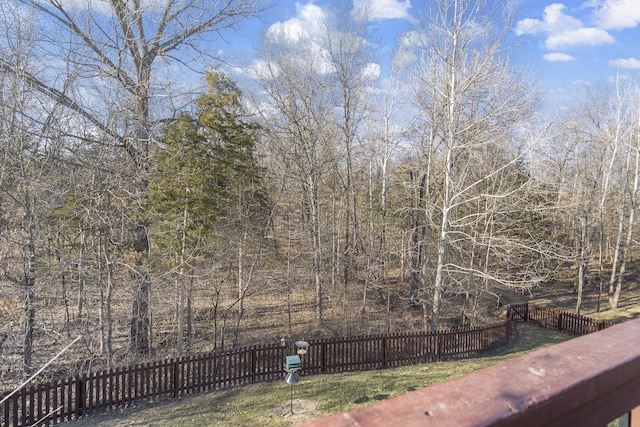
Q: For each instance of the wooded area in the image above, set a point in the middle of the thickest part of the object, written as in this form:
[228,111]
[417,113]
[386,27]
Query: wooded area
[304,199]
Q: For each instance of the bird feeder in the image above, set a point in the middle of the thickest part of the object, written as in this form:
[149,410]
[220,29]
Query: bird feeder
[292,363]
[302,347]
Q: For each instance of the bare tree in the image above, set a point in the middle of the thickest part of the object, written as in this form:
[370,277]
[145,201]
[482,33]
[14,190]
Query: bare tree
[298,110]
[32,135]
[119,50]
[472,103]
[594,166]
[573,165]
[348,57]
[383,134]
[630,175]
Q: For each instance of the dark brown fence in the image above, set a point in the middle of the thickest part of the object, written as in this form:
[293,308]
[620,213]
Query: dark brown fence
[555,319]
[76,397]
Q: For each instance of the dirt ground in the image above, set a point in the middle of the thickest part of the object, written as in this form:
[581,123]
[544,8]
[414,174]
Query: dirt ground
[299,410]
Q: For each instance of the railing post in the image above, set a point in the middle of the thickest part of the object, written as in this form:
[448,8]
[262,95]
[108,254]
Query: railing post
[634,417]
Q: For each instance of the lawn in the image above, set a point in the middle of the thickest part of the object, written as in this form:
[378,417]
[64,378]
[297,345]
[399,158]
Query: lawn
[270,404]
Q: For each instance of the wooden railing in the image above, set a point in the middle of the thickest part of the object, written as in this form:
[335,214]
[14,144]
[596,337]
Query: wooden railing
[79,396]
[587,381]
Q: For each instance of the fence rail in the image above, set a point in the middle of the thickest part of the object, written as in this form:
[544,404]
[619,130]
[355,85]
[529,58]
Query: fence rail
[76,397]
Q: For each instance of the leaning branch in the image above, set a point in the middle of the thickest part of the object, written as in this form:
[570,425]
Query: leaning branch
[62,99]
[39,371]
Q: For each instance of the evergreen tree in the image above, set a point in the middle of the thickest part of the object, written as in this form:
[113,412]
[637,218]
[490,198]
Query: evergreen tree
[206,189]
[206,168]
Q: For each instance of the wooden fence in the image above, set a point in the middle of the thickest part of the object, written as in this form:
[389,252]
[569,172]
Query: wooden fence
[550,318]
[76,397]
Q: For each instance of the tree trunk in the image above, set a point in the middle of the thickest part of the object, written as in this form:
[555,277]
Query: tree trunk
[29,300]
[630,224]
[180,337]
[139,338]
[619,250]
[107,301]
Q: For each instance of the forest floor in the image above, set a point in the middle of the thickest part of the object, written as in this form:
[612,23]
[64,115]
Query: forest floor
[277,404]
[595,302]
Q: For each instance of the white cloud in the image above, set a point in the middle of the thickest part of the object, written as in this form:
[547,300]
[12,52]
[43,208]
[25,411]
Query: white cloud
[307,22]
[310,13]
[563,30]
[558,57]
[383,9]
[587,36]
[371,71]
[618,14]
[528,26]
[292,30]
[630,63]
[553,20]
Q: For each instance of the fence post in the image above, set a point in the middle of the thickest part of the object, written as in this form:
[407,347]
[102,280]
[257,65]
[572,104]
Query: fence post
[253,364]
[176,377]
[560,321]
[80,395]
[323,357]
[526,312]
[384,351]
[23,406]
[7,404]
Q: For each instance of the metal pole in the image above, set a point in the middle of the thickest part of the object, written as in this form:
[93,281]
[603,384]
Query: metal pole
[291,397]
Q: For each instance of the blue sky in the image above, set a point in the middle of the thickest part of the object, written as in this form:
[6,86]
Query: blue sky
[579,42]
[566,44]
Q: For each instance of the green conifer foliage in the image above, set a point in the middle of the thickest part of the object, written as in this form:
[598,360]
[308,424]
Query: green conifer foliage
[207,179]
